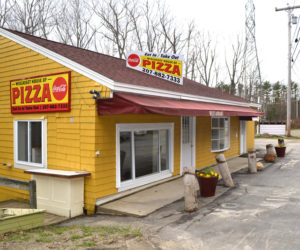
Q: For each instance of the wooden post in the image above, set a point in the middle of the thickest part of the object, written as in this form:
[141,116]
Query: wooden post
[32,194]
[224,170]
[252,161]
[190,189]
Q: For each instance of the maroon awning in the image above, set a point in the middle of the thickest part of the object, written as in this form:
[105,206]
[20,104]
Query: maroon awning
[124,103]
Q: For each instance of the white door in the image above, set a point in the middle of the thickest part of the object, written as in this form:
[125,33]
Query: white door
[243,137]
[188,131]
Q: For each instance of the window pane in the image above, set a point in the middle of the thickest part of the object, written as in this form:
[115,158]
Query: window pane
[146,152]
[222,144]
[23,141]
[215,123]
[215,134]
[186,130]
[226,142]
[36,142]
[164,150]
[222,133]
[221,122]
[125,156]
[215,145]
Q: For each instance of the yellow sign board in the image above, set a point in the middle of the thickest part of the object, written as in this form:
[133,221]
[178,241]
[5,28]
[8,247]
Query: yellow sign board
[47,93]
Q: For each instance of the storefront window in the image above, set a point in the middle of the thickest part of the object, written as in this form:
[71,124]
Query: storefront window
[125,156]
[220,136]
[146,145]
[29,143]
[143,153]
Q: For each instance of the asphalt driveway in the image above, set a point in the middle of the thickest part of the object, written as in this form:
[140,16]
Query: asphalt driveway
[261,212]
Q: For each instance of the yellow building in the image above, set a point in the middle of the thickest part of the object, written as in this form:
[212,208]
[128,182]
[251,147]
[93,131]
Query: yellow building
[139,128]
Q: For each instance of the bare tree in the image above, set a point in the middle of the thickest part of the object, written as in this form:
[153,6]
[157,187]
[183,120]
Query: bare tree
[190,54]
[33,17]
[206,54]
[135,14]
[152,34]
[235,66]
[73,24]
[117,22]
[173,40]
[5,11]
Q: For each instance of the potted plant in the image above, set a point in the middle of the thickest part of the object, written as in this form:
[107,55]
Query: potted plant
[280,149]
[207,180]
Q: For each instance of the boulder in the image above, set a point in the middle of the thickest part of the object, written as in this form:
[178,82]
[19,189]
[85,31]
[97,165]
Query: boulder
[270,157]
[259,166]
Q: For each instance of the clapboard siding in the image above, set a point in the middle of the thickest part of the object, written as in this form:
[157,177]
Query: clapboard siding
[71,143]
[204,156]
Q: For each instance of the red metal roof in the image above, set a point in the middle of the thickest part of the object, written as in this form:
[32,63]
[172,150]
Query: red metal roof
[115,69]
[124,103]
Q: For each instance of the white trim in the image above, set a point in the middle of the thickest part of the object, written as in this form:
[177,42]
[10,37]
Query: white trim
[130,88]
[229,132]
[255,105]
[194,140]
[193,143]
[243,146]
[132,127]
[145,180]
[31,165]
[60,59]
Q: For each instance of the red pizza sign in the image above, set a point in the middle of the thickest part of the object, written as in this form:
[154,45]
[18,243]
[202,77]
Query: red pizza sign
[48,93]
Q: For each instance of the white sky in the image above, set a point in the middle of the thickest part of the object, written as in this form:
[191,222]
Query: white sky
[226,19]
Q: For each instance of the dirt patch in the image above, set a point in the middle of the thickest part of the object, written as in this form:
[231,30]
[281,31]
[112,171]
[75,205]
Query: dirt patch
[73,237]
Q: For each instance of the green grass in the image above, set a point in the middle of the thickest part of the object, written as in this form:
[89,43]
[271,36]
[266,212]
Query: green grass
[44,240]
[75,237]
[60,230]
[17,237]
[74,233]
[87,244]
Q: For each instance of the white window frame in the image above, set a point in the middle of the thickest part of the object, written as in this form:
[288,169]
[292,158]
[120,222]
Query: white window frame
[31,165]
[134,127]
[211,127]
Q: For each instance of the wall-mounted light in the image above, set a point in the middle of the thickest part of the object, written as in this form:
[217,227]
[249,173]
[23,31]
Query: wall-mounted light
[95,93]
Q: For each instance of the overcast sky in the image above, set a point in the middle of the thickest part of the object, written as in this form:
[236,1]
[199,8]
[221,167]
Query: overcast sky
[225,19]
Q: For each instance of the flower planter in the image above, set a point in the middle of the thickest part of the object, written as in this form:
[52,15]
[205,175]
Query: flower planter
[207,185]
[280,151]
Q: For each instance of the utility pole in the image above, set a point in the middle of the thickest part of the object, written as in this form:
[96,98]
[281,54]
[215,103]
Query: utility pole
[288,101]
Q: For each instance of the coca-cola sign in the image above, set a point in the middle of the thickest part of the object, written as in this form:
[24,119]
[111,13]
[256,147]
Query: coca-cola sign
[48,93]
[59,88]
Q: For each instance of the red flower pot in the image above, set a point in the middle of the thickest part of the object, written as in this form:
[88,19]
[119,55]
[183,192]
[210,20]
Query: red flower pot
[280,151]
[207,185]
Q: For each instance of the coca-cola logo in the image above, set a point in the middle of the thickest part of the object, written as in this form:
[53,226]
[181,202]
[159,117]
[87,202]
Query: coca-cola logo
[59,88]
[133,60]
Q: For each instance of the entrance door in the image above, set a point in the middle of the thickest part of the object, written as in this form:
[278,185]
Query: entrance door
[188,129]
[243,137]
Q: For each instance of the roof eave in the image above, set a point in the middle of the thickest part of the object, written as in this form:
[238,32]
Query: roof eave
[59,58]
[129,88]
